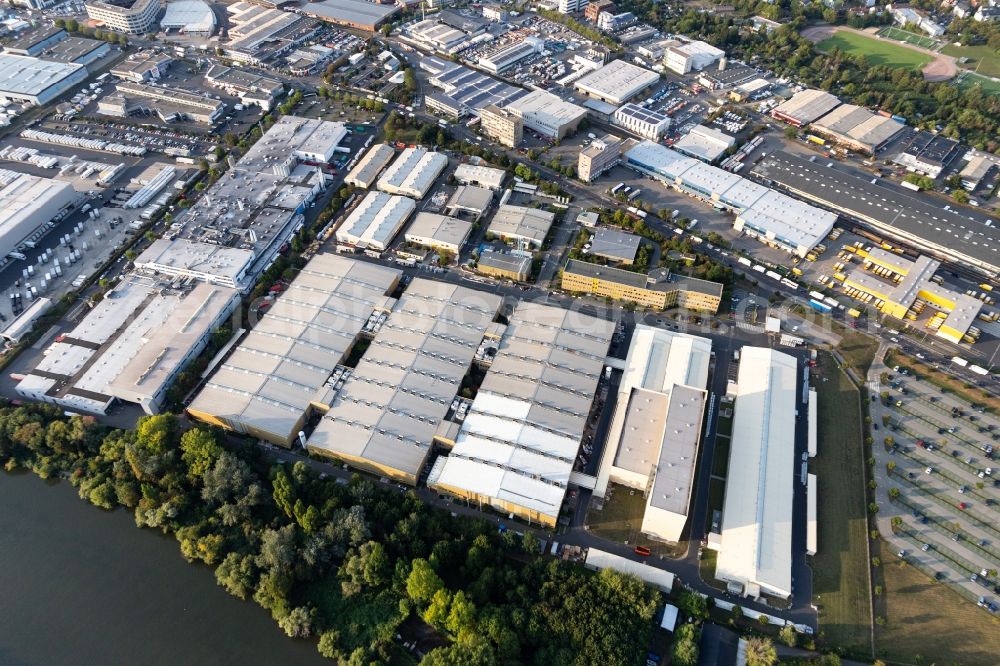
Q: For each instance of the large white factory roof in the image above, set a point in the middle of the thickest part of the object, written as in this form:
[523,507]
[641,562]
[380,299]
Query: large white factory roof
[194,16]
[781,217]
[413,173]
[521,222]
[521,436]
[389,409]
[26,203]
[130,346]
[438,230]
[370,166]
[266,385]
[180,256]
[617,82]
[27,76]
[657,361]
[806,106]
[706,143]
[757,513]
[542,108]
[376,221]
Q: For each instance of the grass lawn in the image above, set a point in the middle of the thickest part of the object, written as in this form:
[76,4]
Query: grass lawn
[969,80]
[981,58]
[905,36]
[621,521]
[840,567]
[878,51]
[974,396]
[927,623]
[857,348]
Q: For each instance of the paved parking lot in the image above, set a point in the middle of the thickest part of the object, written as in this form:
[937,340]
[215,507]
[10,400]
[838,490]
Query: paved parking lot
[937,453]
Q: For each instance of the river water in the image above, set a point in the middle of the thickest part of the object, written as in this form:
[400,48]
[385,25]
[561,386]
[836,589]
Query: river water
[79,585]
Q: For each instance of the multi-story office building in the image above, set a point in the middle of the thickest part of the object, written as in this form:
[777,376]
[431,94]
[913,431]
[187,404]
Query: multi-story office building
[594,9]
[135,17]
[598,157]
[501,126]
[660,289]
[572,6]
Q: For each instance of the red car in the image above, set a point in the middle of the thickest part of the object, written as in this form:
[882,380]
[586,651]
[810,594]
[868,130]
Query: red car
[963,505]
[642,550]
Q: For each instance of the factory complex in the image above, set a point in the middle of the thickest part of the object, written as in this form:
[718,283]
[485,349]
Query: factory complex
[652,443]
[771,217]
[755,546]
[950,234]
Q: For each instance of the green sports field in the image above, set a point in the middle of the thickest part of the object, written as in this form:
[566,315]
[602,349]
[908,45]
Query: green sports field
[906,36]
[878,51]
[969,80]
[981,59]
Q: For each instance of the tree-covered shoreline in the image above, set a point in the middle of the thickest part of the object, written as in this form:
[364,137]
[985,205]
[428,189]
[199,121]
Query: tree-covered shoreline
[353,564]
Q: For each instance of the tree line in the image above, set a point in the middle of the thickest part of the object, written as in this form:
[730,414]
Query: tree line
[352,565]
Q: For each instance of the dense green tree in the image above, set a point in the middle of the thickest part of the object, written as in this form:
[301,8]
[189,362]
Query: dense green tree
[760,651]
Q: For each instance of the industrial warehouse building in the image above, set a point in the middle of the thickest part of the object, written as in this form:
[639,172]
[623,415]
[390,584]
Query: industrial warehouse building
[469,200]
[617,82]
[413,173]
[131,346]
[365,172]
[28,202]
[24,79]
[755,555]
[357,14]
[805,107]
[480,176]
[438,232]
[281,370]
[466,89]
[857,128]
[258,203]
[391,410]
[681,58]
[249,87]
[615,245]
[961,236]
[643,122]
[517,445]
[169,104]
[660,289]
[189,17]
[705,143]
[762,213]
[375,221]
[503,265]
[652,442]
[902,287]
[547,114]
[521,225]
